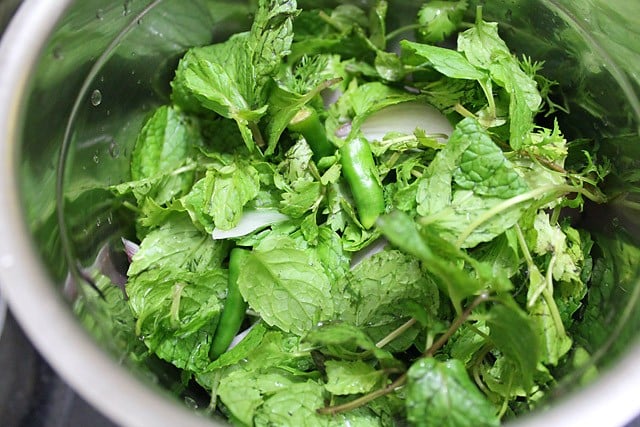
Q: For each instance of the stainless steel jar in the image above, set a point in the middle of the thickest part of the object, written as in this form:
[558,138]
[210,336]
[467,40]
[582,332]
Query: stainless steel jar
[76,80]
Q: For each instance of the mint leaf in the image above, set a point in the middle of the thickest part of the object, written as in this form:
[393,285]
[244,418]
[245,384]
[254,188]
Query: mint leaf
[484,48]
[513,334]
[554,343]
[380,282]
[446,61]
[302,197]
[218,199]
[243,391]
[296,404]
[239,352]
[434,187]
[177,313]
[214,77]
[175,290]
[231,78]
[475,163]
[345,340]
[270,41]
[485,170]
[161,168]
[178,245]
[166,139]
[351,377]
[294,293]
[442,394]
[402,232]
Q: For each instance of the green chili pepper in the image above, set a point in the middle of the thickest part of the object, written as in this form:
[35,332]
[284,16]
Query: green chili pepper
[307,123]
[360,172]
[234,309]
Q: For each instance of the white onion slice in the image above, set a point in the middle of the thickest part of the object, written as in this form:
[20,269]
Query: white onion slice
[405,118]
[130,248]
[250,222]
[364,253]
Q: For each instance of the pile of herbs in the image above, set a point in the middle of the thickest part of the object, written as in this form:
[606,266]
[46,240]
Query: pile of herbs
[463,316]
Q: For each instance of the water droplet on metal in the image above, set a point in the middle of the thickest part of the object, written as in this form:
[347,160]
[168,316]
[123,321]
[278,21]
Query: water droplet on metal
[96,98]
[114,150]
[7,261]
[126,8]
[57,53]
[190,402]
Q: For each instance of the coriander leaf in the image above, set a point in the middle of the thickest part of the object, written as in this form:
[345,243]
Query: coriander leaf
[441,394]
[351,377]
[438,19]
[294,292]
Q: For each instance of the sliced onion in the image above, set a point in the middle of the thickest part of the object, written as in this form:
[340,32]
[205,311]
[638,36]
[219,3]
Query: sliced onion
[250,222]
[405,118]
[367,252]
[130,248]
[242,335]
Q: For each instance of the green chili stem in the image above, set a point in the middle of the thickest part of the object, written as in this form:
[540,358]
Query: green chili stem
[307,123]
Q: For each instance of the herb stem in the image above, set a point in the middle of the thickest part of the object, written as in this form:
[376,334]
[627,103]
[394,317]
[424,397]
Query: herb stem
[460,109]
[402,379]
[363,400]
[395,334]
[547,294]
[521,198]
[442,340]
[395,33]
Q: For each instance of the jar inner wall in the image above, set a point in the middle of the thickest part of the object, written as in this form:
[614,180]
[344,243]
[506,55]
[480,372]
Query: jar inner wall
[88,101]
